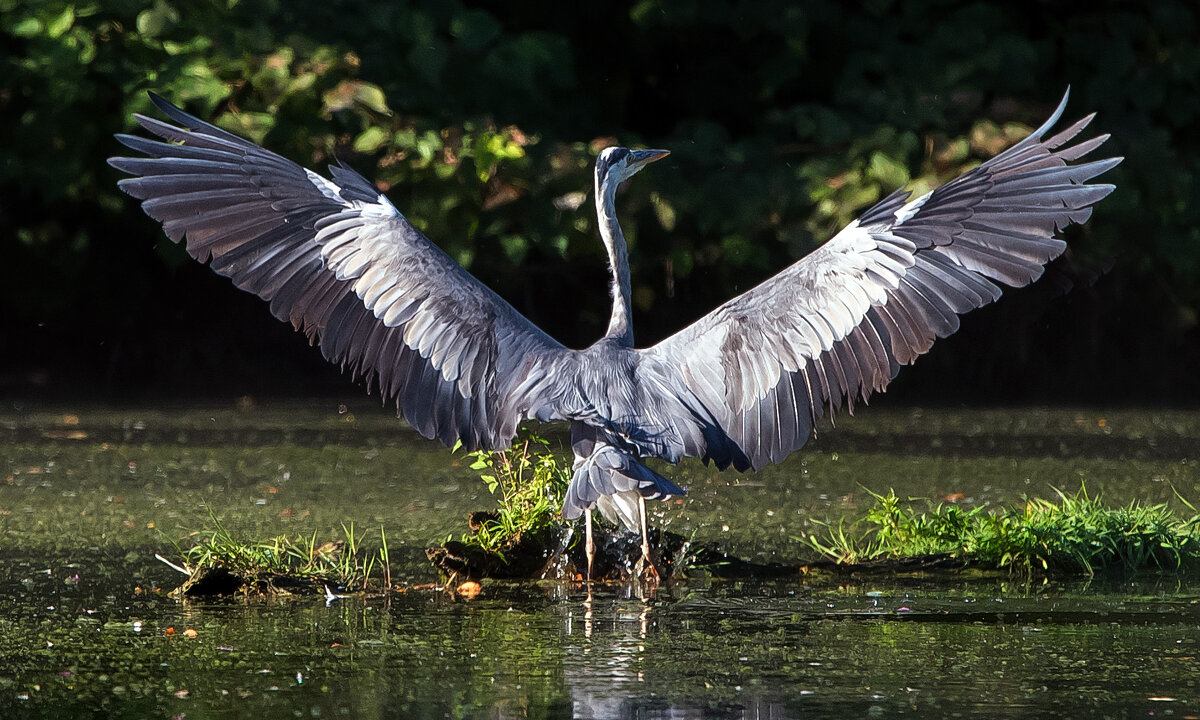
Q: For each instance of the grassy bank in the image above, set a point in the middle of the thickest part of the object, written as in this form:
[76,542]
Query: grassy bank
[220,563]
[1073,533]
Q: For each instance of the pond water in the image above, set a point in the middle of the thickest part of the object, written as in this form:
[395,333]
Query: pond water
[91,494]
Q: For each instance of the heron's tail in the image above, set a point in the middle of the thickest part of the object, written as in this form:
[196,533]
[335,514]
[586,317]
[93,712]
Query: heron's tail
[613,479]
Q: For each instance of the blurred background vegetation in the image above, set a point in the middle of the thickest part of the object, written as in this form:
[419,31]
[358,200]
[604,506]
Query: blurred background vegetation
[481,120]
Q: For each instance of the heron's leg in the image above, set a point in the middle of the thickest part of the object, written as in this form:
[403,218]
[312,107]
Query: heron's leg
[647,563]
[589,547]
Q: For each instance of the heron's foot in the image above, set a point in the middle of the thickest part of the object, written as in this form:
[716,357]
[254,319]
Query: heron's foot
[646,572]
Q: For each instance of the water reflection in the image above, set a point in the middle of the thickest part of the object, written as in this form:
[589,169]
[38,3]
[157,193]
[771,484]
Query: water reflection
[606,654]
[697,649]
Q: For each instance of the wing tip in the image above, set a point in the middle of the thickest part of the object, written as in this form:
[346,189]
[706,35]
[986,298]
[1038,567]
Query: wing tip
[1106,188]
[170,109]
[1057,115]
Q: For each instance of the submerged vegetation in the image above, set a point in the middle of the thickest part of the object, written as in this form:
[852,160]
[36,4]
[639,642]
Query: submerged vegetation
[1076,533]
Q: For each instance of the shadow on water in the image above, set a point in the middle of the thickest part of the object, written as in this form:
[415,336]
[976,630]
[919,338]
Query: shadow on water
[87,630]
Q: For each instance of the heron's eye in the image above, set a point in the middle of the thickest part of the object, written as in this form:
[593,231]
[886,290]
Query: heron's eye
[618,156]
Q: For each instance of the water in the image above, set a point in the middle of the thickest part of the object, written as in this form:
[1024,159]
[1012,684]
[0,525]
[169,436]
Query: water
[86,628]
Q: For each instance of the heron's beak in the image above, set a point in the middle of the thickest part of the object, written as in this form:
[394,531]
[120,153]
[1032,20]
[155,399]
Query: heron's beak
[639,158]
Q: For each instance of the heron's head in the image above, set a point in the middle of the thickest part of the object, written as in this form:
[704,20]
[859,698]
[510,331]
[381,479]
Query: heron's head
[615,165]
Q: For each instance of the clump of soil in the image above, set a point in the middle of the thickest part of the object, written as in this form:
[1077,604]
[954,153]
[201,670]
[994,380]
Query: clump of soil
[557,552]
[522,556]
[219,581]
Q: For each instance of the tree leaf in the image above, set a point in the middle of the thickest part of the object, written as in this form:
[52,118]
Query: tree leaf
[371,139]
[59,25]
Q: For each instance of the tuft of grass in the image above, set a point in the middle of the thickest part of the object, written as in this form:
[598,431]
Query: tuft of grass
[531,483]
[342,562]
[1070,534]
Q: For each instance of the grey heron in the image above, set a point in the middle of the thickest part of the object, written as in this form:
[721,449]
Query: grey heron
[742,386]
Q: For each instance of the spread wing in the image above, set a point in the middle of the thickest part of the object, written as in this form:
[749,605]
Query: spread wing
[339,262]
[835,326]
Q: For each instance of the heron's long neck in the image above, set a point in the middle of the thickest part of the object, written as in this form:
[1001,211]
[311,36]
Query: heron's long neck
[620,325]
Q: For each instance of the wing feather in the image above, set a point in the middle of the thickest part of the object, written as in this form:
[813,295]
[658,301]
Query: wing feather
[757,372]
[340,263]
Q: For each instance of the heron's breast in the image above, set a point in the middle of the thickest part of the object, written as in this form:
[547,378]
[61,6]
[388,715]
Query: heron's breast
[605,379]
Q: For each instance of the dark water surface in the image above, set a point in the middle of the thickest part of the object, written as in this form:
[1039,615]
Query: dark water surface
[89,495]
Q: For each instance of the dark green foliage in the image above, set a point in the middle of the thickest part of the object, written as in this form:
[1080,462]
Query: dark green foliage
[481,120]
